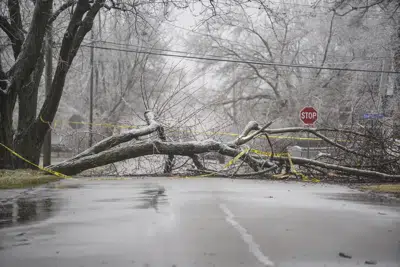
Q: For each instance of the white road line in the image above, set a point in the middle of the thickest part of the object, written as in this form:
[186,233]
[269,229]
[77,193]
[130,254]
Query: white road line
[254,248]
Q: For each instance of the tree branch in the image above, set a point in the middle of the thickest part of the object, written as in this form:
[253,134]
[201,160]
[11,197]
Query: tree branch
[347,170]
[196,160]
[327,44]
[354,8]
[31,50]
[316,133]
[116,140]
[73,37]
[245,136]
[15,38]
[75,166]
[14,11]
[245,98]
[60,10]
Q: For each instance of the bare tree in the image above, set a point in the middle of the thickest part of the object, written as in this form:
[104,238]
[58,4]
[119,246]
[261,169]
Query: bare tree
[20,82]
[109,151]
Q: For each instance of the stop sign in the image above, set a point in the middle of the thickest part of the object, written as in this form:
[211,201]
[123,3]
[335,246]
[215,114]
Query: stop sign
[308,115]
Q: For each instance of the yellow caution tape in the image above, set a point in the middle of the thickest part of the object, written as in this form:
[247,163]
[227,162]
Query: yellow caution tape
[303,176]
[94,124]
[238,156]
[231,162]
[235,135]
[292,168]
[106,125]
[33,164]
[269,154]
[124,126]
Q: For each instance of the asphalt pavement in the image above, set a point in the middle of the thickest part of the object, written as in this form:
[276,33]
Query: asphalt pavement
[166,222]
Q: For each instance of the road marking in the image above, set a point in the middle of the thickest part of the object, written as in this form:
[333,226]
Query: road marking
[254,248]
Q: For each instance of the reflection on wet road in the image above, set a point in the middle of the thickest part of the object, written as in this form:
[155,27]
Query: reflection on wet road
[26,209]
[197,222]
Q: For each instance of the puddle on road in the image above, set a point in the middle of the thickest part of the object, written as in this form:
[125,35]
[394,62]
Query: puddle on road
[149,198]
[363,198]
[152,199]
[26,209]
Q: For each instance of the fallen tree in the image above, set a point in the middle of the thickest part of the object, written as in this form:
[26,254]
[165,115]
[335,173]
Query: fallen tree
[128,145]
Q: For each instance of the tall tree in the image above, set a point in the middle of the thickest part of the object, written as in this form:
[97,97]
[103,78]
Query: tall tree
[389,10]
[292,34]
[21,80]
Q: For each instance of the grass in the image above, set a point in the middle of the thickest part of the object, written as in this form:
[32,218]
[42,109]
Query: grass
[384,188]
[11,179]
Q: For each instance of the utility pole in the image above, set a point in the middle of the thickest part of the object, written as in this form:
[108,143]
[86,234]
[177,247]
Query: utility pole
[91,91]
[234,104]
[48,81]
[383,84]
[100,55]
[396,89]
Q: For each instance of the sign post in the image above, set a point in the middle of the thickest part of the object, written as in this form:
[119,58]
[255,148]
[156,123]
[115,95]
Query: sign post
[372,118]
[308,115]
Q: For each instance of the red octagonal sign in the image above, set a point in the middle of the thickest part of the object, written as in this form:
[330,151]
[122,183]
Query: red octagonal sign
[308,115]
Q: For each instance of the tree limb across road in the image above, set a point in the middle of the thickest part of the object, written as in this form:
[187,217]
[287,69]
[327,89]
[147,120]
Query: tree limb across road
[113,149]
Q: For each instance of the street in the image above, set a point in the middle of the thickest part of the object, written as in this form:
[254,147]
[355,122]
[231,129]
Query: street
[165,222]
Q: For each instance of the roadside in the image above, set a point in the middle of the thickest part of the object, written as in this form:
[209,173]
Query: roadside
[12,179]
[391,190]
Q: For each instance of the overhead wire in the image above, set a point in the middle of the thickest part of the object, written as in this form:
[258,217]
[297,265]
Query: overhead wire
[362,59]
[223,59]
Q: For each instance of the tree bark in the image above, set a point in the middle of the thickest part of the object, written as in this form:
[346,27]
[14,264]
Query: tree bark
[197,162]
[6,131]
[75,166]
[47,148]
[169,162]
[116,140]
[27,99]
[26,61]
[396,91]
[22,78]
[14,28]
[107,152]
[32,139]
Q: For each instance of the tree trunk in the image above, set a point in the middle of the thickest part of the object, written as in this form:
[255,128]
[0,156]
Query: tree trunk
[6,132]
[5,122]
[396,91]
[75,166]
[27,100]
[169,162]
[20,78]
[108,151]
[48,79]
[29,143]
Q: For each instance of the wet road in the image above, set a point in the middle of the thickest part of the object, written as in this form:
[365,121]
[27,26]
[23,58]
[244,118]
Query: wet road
[159,222]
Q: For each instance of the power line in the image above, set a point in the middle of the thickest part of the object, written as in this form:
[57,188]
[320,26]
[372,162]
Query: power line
[149,48]
[216,59]
[214,56]
[241,44]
